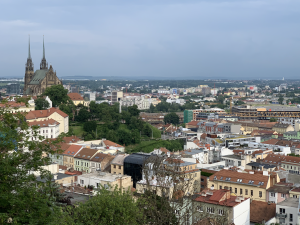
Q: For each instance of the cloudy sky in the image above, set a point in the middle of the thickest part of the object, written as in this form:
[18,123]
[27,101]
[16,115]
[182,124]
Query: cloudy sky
[237,39]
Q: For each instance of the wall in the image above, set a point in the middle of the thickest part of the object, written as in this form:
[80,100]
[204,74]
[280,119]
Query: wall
[241,213]
[117,170]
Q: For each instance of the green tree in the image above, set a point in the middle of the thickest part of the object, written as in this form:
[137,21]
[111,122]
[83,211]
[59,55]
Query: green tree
[57,94]
[83,115]
[124,136]
[23,200]
[273,119]
[172,118]
[41,103]
[280,99]
[133,110]
[107,207]
[90,126]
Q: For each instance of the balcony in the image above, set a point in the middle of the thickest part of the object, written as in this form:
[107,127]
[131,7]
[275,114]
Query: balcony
[281,215]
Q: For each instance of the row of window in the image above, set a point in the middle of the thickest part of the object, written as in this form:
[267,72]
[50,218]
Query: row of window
[241,191]
[211,210]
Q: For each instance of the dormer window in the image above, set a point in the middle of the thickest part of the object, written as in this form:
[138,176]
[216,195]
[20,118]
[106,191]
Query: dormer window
[260,183]
[250,182]
[239,180]
[221,178]
[227,178]
[215,177]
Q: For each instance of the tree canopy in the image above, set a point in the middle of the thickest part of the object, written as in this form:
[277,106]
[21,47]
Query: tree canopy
[57,94]
[172,118]
[41,104]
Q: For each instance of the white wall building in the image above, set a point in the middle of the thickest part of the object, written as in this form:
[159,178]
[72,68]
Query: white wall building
[287,211]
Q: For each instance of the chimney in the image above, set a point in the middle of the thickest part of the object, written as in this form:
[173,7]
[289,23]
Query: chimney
[55,176]
[265,173]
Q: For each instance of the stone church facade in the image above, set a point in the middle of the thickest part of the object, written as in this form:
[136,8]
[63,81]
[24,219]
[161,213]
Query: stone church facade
[35,83]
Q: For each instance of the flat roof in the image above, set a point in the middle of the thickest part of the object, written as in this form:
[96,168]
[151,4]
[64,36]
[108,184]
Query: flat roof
[290,202]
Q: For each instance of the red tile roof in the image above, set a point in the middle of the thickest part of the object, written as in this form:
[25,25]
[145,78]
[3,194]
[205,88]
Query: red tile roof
[220,197]
[261,211]
[274,159]
[72,150]
[75,97]
[271,141]
[245,177]
[44,113]
[43,123]
[109,143]
[86,153]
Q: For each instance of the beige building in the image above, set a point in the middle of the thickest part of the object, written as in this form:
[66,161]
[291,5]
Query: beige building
[117,164]
[107,180]
[52,113]
[13,106]
[282,128]
[78,99]
[68,155]
[252,184]
[175,176]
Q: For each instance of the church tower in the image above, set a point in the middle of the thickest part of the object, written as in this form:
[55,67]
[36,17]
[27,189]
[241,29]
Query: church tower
[44,64]
[29,71]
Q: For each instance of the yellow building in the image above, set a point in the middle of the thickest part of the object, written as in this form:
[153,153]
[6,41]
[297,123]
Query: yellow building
[76,98]
[14,106]
[282,128]
[252,184]
[68,155]
[117,164]
[52,113]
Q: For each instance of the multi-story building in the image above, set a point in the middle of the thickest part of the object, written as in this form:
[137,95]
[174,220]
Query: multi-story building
[68,155]
[47,128]
[282,128]
[117,164]
[52,113]
[78,99]
[252,184]
[106,180]
[116,96]
[291,164]
[279,192]
[82,159]
[287,211]
[221,208]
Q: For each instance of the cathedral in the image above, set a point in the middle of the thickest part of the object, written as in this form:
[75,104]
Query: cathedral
[35,83]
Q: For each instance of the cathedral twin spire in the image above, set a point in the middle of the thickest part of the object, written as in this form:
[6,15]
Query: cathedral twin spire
[29,64]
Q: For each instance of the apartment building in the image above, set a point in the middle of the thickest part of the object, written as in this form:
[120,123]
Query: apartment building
[82,159]
[287,211]
[221,208]
[68,155]
[252,184]
[117,164]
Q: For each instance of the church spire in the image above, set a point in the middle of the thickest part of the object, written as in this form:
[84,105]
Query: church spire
[29,64]
[29,55]
[44,64]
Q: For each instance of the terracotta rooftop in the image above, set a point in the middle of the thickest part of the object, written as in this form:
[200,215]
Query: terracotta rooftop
[109,143]
[43,123]
[44,113]
[193,123]
[98,157]
[164,150]
[229,176]
[75,97]
[86,153]
[261,211]
[274,159]
[220,197]
[71,139]
[72,150]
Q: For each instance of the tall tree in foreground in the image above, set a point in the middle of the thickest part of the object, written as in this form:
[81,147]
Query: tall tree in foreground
[22,199]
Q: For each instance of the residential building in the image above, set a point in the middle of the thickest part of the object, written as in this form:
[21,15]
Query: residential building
[117,164]
[68,155]
[78,99]
[282,128]
[101,162]
[237,160]
[13,106]
[58,156]
[116,96]
[252,184]
[109,144]
[287,211]
[52,113]
[294,192]
[82,159]
[48,128]
[221,208]
[279,192]
[106,180]
[292,135]
[291,164]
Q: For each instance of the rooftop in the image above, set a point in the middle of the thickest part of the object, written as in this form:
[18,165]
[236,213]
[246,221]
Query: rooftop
[102,176]
[261,211]
[290,202]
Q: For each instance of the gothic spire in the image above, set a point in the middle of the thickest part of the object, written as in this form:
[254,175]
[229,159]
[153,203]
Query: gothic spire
[44,64]
[29,55]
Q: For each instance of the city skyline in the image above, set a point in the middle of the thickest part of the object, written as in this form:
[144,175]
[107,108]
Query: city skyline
[157,39]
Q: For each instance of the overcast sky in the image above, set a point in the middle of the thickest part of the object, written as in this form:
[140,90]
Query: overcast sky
[236,39]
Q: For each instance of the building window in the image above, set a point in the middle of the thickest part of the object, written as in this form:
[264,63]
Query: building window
[119,167]
[230,188]
[251,192]
[200,208]
[291,217]
[221,212]
[210,210]
[246,191]
[241,191]
[272,194]
[220,187]
[294,196]
[235,190]
[81,181]
[114,166]
[239,163]
[282,195]
[260,194]
[282,210]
